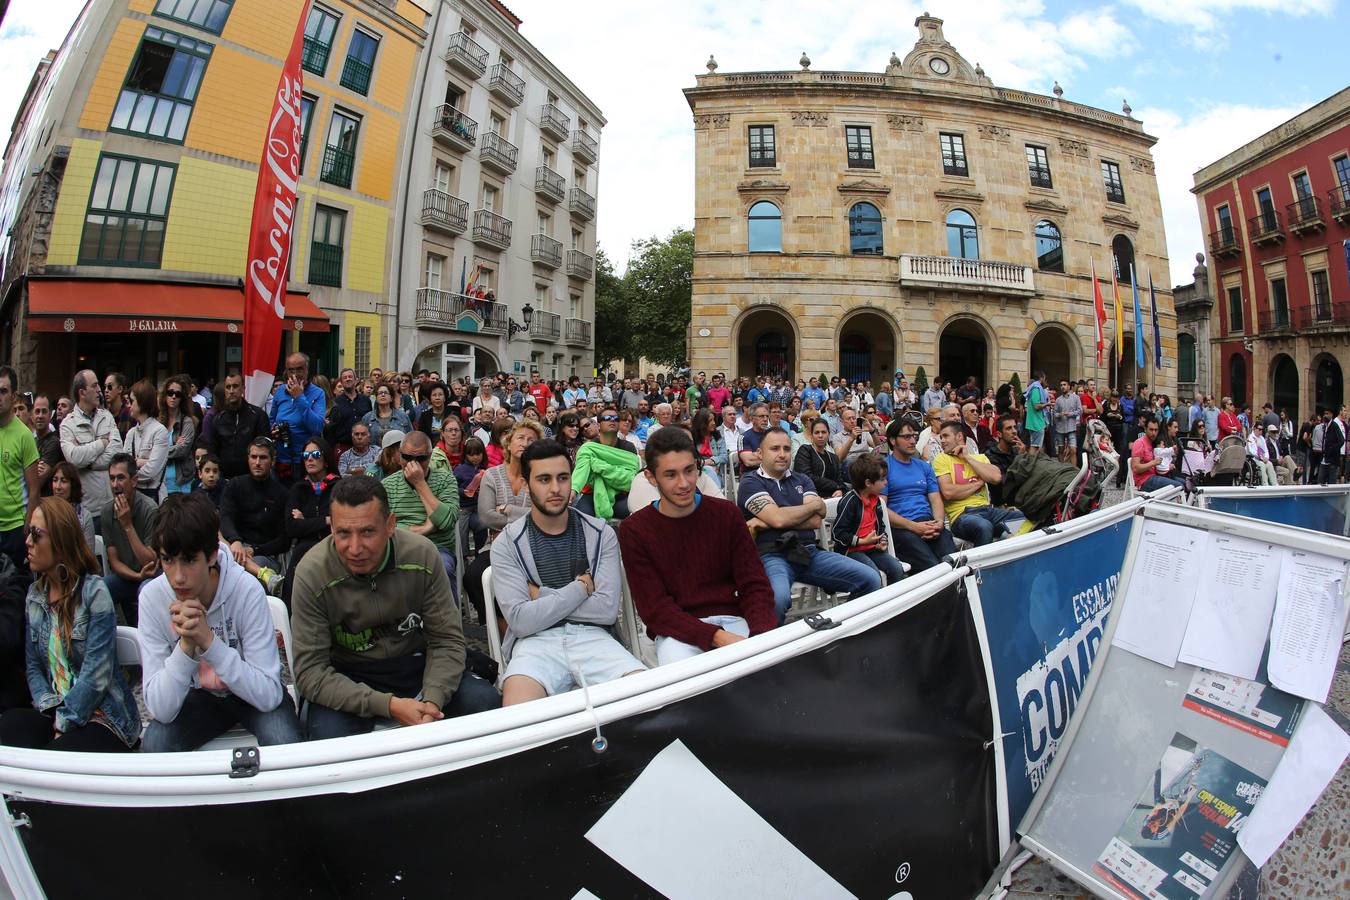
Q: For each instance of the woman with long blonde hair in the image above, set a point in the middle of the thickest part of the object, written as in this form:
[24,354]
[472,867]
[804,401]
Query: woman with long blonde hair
[81,701]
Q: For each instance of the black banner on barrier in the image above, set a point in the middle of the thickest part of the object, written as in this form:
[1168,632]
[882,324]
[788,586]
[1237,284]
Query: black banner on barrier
[867,757]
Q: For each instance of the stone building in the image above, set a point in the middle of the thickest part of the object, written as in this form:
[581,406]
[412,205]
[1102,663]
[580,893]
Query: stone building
[854,223]
[1194,305]
[495,239]
[1277,211]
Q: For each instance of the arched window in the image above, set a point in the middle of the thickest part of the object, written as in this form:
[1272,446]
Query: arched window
[766,228]
[962,239]
[1185,357]
[864,230]
[1049,247]
[1237,378]
[1123,252]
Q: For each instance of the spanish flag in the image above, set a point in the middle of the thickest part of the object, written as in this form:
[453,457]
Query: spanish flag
[1120,322]
[1099,316]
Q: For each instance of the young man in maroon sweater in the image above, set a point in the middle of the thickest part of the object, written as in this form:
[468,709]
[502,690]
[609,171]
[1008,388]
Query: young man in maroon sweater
[696,578]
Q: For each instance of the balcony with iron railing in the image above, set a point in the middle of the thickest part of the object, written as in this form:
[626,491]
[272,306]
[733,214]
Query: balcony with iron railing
[1040,177]
[1304,216]
[584,147]
[444,212]
[1265,228]
[554,121]
[314,55]
[1340,203]
[491,230]
[1273,320]
[549,184]
[580,265]
[496,152]
[451,127]
[1326,314]
[448,311]
[325,264]
[977,275]
[546,251]
[581,204]
[506,84]
[466,55]
[1224,243]
[546,326]
[577,331]
[337,166]
[356,75]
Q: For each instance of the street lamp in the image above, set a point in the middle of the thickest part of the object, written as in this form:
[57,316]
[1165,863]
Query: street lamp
[513,326]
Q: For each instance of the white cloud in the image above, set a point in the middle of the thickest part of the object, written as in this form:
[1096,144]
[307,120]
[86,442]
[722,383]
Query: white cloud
[1206,21]
[30,29]
[1187,144]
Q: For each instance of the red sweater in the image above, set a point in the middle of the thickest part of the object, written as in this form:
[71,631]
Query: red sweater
[684,570]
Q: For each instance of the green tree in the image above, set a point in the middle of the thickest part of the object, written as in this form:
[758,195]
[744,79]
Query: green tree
[659,296]
[613,334]
[920,381]
[1016,383]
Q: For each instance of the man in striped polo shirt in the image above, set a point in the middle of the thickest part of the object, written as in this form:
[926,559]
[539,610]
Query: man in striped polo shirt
[423,501]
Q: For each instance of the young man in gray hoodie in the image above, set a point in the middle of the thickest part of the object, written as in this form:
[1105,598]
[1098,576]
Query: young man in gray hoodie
[208,648]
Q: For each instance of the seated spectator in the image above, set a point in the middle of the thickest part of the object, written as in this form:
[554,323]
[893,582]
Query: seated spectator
[1285,467]
[928,445]
[1259,451]
[232,426]
[208,480]
[914,501]
[81,700]
[425,500]
[1143,461]
[860,525]
[689,609]
[853,440]
[1003,451]
[391,460]
[307,506]
[557,582]
[604,469]
[208,648]
[964,479]
[817,461]
[437,411]
[64,482]
[361,458]
[784,511]
[128,525]
[401,658]
[492,447]
[469,476]
[253,513]
[451,444]
[752,437]
[385,415]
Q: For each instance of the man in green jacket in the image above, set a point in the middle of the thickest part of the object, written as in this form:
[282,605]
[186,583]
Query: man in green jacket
[376,632]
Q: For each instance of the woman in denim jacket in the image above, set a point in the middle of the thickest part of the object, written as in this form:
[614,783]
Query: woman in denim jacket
[81,701]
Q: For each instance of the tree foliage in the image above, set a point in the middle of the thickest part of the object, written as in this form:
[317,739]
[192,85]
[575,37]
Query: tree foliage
[659,297]
[613,334]
[920,380]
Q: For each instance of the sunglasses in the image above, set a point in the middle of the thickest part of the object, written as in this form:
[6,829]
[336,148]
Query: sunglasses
[109,386]
[419,458]
[312,454]
[609,418]
[35,534]
[178,395]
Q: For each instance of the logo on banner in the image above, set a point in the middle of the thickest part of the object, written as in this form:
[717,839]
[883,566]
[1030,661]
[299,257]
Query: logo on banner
[1048,692]
[267,271]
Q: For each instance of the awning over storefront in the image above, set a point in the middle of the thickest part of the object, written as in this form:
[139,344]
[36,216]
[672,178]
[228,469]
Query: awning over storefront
[82,306]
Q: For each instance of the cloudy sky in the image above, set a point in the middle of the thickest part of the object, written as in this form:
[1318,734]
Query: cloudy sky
[1204,76]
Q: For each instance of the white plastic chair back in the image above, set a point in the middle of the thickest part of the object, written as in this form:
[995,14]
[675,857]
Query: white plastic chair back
[128,646]
[494,634]
[101,554]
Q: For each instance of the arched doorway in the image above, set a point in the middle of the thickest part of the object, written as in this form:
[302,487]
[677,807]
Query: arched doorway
[1284,385]
[866,348]
[455,360]
[1053,353]
[963,350]
[766,344]
[1237,379]
[1329,389]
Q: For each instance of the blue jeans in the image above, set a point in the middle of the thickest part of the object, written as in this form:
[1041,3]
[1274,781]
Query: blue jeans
[205,716]
[883,562]
[983,523]
[125,594]
[474,695]
[831,571]
[586,504]
[921,554]
[1157,482]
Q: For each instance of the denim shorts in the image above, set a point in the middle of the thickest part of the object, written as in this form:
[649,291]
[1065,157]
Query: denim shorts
[559,658]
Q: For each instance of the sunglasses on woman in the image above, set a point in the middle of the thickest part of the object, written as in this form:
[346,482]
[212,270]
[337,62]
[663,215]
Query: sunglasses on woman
[35,534]
[312,454]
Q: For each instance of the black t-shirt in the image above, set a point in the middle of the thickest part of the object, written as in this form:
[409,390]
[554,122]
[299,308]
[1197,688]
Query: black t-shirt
[1003,461]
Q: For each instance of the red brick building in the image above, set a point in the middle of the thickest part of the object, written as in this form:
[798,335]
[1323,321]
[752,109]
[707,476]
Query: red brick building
[1276,213]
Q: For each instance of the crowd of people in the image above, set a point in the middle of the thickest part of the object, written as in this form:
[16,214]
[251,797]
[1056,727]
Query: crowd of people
[373,506]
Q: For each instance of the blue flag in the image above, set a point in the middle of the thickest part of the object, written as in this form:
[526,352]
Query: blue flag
[1139,360]
[1157,333]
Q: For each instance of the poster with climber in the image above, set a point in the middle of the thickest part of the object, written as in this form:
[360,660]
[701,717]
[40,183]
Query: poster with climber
[1183,826]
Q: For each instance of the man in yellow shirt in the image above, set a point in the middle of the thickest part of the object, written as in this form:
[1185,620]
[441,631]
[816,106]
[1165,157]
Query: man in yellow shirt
[964,479]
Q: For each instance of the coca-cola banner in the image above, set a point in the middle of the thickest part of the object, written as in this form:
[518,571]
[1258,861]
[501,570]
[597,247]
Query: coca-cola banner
[269,242]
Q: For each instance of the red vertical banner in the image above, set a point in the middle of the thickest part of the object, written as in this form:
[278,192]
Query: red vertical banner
[269,241]
[1100,313]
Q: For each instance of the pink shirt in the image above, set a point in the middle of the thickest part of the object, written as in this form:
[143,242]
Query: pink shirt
[1141,450]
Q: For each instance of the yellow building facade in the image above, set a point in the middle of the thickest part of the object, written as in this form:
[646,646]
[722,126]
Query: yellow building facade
[859,223]
[144,136]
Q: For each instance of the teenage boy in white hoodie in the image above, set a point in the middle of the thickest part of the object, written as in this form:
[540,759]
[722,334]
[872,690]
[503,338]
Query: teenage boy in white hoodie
[208,649]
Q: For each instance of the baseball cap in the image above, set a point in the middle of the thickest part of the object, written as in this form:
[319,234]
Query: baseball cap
[391,438]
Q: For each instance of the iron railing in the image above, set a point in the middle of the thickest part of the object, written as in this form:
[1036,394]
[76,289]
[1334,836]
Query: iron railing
[584,146]
[490,228]
[314,55]
[497,152]
[546,325]
[554,121]
[580,264]
[337,166]
[549,184]
[1265,225]
[444,211]
[506,84]
[545,250]
[356,75]
[1224,242]
[578,331]
[466,54]
[581,204]
[458,312]
[325,264]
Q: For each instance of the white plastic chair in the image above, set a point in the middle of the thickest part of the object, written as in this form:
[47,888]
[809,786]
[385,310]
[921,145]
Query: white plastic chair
[494,634]
[101,553]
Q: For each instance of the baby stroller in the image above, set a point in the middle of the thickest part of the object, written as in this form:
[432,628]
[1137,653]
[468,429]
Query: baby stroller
[1102,456]
[1233,466]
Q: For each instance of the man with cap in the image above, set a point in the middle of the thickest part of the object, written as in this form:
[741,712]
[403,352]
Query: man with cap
[1284,465]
